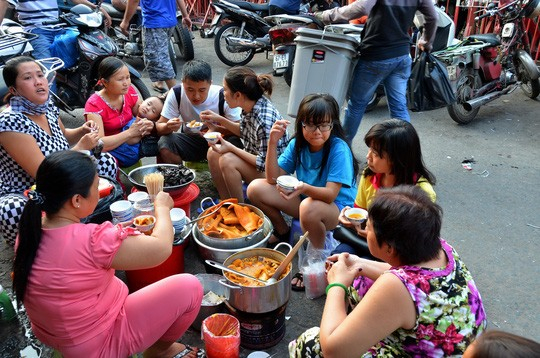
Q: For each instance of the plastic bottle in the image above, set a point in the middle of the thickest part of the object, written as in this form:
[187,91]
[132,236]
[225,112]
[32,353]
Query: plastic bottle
[7,311]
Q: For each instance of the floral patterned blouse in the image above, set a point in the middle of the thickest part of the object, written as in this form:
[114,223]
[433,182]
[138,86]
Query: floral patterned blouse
[450,313]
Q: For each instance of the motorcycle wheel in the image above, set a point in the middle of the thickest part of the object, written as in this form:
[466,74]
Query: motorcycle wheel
[226,53]
[144,93]
[530,87]
[184,44]
[373,102]
[467,83]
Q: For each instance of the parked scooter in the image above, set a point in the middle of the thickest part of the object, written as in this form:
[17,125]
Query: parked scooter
[282,36]
[244,33]
[131,46]
[76,84]
[484,67]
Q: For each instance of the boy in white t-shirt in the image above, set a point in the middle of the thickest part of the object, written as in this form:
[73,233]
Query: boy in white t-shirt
[195,99]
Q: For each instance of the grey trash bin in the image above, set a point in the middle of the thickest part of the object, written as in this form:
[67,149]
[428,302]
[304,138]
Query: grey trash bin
[323,64]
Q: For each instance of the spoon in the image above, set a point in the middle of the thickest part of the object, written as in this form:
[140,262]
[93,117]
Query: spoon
[283,265]
[210,214]
[225,268]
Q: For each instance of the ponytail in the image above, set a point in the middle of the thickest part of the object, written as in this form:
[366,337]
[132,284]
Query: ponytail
[244,80]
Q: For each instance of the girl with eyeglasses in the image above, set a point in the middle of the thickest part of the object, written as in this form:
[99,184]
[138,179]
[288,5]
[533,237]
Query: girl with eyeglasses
[324,165]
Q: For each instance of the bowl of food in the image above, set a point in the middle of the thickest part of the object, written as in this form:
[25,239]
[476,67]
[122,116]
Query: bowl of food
[356,216]
[212,137]
[177,177]
[214,297]
[194,126]
[145,223]
[287,183]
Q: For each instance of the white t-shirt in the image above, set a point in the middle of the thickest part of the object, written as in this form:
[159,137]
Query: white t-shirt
[189,112]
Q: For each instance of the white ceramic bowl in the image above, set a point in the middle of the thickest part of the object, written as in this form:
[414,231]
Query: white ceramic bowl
[144,223]
[196,128]
[121,210]
[138,195]
[212,137]
[287,183]
[356,216]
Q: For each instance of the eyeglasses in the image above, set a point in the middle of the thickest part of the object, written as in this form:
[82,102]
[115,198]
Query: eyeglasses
[322,127]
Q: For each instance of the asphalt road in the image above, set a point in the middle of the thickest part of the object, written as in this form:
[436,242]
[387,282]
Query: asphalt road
[491,212]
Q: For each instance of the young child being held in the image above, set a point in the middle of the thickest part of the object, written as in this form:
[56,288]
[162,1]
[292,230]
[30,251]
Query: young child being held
[324,165]
[129,152]
[64,271]
[394,158]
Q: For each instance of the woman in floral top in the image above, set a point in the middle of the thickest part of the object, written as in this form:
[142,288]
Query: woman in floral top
[423,301]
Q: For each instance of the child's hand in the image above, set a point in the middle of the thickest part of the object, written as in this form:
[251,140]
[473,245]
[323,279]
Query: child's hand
[278,130]
[298,189]
[146,126]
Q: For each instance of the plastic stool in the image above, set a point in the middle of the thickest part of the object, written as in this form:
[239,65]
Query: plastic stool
[244,190]
[296,231]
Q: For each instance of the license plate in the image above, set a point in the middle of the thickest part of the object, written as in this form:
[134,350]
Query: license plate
[452,72]
[281,61]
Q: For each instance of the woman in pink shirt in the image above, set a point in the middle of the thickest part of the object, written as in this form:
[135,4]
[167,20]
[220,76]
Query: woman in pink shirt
[64,271]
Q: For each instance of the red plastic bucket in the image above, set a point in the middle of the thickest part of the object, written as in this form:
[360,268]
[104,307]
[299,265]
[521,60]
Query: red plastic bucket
[137,279]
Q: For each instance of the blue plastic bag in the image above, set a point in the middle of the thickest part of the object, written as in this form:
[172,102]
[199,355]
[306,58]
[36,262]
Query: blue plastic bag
[64,47]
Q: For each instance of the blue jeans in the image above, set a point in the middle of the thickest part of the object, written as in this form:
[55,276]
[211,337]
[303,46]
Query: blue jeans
[44,41]
[394,73]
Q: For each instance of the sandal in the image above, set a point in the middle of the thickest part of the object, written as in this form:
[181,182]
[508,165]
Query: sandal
[159,88]
[299,279]
[200,352]
[280,238]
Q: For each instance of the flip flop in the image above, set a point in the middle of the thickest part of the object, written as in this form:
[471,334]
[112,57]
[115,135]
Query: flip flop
[188,350]
[159,89]
[299,278]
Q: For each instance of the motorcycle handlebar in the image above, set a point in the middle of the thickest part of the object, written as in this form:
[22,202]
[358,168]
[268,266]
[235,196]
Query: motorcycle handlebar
[488,13]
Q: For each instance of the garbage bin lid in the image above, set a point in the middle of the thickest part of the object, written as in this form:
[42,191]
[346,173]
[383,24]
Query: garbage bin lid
[325,35]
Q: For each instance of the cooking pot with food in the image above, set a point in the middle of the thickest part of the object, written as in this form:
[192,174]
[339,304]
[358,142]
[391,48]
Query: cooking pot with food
[211,236]
[259,299]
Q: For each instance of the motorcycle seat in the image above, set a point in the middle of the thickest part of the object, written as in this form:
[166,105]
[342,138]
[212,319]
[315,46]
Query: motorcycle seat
[316,21]
[487,38]
[249,6]
[111,10]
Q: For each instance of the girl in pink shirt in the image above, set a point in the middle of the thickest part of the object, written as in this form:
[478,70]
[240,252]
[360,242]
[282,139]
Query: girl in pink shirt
[64,271]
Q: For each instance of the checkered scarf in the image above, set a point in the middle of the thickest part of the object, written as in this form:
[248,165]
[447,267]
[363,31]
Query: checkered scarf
[23,105]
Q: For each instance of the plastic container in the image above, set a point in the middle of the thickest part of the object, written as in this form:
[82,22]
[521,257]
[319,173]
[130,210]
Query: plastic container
[7,311]
[137,279]
[221,335]
[323,64]
[184,199]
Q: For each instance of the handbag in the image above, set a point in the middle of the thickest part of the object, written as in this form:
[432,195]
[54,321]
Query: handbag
[429,86]
[102,212]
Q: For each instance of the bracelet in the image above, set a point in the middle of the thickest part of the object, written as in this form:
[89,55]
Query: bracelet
[338,285]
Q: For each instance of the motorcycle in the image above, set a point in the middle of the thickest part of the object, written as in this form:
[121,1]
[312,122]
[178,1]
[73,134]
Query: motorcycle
[76,83]
[131,46]
[282,36]
[244,33]
[484,67]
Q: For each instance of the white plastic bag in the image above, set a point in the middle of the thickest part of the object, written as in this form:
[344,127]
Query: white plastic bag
[314,272]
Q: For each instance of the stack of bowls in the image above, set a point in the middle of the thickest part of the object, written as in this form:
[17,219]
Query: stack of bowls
[287,183]
[121,211]
[178,218]
[138,195]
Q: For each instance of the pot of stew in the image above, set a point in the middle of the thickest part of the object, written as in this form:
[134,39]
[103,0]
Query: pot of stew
[250,296]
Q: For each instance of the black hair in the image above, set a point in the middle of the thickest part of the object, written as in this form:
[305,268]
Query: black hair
[109,66]
[498,344]
[11,71]
[244,80]
[398,141]
[317,108]
[405,218]
[197,71]
[59,177]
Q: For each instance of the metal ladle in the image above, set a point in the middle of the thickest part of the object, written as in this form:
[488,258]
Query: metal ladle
[210,214]
[283,265]
[228,269]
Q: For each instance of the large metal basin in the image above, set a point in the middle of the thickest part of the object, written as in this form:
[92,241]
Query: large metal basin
[136,177]
[220,255]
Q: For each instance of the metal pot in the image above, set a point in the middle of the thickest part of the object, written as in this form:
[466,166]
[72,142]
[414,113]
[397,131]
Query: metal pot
[220,255]
[259,299]
[136,177]
[237,243]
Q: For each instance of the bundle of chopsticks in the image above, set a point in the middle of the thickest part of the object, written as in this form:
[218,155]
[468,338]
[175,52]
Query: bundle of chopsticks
[154,184]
